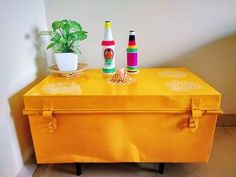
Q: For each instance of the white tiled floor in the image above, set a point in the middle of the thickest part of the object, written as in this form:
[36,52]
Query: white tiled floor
[222,163]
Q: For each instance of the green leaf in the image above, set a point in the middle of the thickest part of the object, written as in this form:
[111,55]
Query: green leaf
[76,25]
[62,40]
[56,25]
[57,46]
[56,37]
[66,28]
[83,37]
[79,35]
[74,35]
[51,45]
[65,21]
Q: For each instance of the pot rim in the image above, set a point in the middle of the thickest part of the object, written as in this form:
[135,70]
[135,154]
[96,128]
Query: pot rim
[65,53]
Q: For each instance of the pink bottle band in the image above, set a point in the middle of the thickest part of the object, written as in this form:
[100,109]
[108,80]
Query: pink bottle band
[132,43]
[132,59]
[108,43]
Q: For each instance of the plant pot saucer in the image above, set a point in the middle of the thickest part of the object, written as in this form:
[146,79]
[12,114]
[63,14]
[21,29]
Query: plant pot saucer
[81,67]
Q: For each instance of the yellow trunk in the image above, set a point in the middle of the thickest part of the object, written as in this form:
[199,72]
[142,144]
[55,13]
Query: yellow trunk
[165,115]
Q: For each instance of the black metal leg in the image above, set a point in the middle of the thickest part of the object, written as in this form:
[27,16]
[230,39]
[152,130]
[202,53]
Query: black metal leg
[78,169]
[160,170]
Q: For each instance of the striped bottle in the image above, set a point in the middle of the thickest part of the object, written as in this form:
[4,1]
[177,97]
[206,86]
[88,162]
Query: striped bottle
[132,54]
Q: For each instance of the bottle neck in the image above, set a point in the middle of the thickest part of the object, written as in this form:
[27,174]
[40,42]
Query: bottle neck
[108,35]
[132,38]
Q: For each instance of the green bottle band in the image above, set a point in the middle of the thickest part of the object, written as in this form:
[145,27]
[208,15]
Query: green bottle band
[132,68]
[111,70]
[131,50]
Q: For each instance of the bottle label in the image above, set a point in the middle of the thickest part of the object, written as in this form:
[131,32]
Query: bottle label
[108,56]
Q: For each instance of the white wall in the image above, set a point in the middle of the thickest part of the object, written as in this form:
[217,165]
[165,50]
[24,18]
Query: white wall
[168,34]
[20,65]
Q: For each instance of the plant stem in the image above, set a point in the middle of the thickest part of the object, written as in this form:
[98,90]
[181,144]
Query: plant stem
[62,34]
[71,44]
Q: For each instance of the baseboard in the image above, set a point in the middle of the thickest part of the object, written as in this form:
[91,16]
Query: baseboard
[29,167]
[226,120]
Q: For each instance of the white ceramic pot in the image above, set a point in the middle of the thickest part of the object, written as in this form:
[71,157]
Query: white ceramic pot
[66,61]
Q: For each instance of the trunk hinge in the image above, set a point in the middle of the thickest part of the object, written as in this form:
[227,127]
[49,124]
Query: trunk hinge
[196,114]
[47,113]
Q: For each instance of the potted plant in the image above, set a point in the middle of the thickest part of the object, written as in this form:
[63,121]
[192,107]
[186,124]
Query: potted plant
[65,38]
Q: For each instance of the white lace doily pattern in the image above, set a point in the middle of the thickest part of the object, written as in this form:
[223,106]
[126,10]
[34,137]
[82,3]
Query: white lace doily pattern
[173,74]
[183,86]
[61,88]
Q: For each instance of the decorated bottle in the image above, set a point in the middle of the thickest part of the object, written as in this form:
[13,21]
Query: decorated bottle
[132,54]
[108,48]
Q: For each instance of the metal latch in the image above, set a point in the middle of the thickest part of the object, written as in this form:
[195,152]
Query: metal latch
[196,114]
[48,114]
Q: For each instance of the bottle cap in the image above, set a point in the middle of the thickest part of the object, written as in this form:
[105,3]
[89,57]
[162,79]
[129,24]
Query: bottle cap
[131,32]
[107,24]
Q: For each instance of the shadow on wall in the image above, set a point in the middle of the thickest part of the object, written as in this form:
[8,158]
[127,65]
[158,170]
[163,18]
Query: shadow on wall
[216,64]
[40,59]
[16,101]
